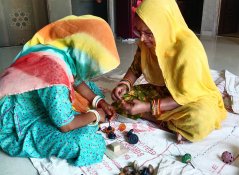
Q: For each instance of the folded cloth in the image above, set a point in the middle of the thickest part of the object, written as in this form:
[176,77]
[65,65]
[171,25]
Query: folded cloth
[157,147]
[232,89]
[228,85]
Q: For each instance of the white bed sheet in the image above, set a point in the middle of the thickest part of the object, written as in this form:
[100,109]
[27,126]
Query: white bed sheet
[158,147]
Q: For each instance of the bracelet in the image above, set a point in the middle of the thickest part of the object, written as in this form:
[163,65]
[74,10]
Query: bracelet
[158,107]
[152,107]
[155,107]
[96,101]
[97,118]
[128,80]
[125,83]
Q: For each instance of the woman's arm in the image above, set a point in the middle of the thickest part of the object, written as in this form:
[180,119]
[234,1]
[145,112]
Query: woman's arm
[124,85]
[85,91]
[137,106]
[83,120]
[59,109]
[134,71]
[88,94]
[168,103]
[130,76]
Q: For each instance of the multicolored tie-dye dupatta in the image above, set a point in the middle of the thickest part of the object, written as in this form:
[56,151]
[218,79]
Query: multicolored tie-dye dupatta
[70,50]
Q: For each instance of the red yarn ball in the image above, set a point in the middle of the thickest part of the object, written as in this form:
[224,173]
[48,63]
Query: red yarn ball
[227,157]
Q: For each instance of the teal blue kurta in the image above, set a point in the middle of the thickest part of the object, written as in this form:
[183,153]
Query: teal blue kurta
[29,125]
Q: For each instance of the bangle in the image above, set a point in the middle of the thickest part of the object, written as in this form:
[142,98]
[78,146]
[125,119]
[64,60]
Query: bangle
[153,111]
[155,107]
[152,107]
[99,101]
[158,107]
[128,80]
[97,118]
[125,83]
[96,101]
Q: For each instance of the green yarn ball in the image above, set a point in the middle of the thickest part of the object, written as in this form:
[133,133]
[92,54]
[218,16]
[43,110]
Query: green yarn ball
[186,158]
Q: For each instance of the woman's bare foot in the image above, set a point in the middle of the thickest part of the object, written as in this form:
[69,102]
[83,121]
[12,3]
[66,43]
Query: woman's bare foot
[180,138]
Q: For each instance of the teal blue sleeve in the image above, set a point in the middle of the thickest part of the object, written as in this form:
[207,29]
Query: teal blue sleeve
[57,102]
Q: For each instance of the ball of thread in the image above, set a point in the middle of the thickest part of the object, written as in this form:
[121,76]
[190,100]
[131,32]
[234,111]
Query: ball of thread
[130,132]
[133,139]
[186,158]
[111,135]
[227,157]
[122,127]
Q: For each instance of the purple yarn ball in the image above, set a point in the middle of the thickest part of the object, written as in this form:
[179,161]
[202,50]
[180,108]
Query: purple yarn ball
[227,157]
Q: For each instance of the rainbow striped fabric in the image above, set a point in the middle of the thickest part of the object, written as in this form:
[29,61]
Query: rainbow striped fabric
[70,50]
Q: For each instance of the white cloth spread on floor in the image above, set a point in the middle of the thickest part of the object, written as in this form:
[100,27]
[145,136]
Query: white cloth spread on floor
[158,147]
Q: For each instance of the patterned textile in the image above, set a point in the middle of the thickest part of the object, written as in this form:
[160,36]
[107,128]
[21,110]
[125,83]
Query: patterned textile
[29,122]
[82,50]
[36,91]
[143,92]
[183,63]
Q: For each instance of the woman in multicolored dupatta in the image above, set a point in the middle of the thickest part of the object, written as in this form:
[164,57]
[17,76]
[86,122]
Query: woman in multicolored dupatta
[180,92]
[48,105]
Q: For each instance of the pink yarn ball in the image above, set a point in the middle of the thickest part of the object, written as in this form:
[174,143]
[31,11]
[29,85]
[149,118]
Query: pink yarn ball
[227,157]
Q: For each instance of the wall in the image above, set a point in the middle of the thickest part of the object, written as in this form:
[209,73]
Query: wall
[210,18]
[58,9]
[83,7]
[20,19]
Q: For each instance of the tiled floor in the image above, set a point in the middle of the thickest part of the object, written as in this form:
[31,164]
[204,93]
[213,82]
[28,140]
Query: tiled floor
[223,53]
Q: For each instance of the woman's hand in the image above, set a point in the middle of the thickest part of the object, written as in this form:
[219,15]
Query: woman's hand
[108,109]
[135,107]
[118,92]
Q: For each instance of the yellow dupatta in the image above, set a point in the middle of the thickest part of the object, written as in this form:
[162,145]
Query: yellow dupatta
[185,69]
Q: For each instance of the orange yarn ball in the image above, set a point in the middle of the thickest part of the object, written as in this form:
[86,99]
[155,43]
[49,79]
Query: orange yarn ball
[122,127]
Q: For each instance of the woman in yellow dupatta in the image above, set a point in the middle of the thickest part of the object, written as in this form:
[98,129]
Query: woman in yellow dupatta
[181,92]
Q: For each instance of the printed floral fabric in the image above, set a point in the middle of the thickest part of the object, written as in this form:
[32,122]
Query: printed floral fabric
[29,128]
[143,92]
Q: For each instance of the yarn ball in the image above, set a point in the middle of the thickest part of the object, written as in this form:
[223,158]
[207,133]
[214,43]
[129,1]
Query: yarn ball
[227,157]
[111,135]
[133,139]
[122,127]
[186,158]
[130,132]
